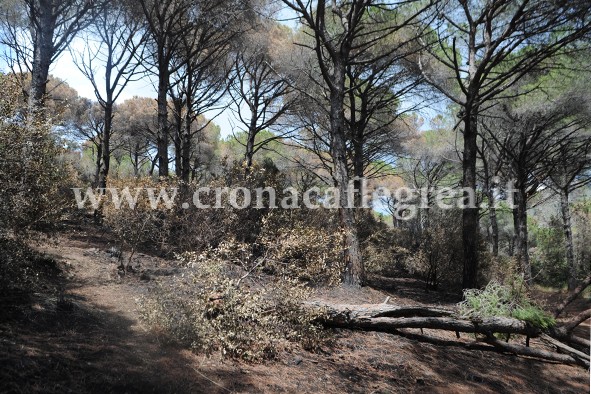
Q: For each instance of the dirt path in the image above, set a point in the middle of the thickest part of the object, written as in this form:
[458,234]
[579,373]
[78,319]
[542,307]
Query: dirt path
[95,342]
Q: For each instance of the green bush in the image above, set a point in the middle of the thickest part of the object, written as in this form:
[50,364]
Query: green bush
[498,300]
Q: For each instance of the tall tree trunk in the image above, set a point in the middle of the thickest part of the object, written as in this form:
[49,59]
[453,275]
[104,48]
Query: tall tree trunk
[106,144]
[358,168]
[252,133]
[42,55]
[178,128]
[354,274]
[136,161]
[249,154]
[162,140]
[470,218]
[494,224]
[568,239]
[186,149]
[99,163]
[521,236]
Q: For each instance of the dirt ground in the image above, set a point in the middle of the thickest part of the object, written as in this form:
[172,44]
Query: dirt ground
[92,341]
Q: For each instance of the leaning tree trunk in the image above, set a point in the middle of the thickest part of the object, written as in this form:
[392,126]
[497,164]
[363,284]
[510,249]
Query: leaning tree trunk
[568,239]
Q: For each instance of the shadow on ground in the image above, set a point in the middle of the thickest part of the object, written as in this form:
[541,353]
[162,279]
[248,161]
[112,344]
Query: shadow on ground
[72,346]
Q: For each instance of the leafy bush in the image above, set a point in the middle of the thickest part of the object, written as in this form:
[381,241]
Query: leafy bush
[504,301]
[238,311]
[33,177]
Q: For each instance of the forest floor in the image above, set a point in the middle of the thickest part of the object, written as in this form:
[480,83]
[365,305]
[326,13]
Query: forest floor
[93,341]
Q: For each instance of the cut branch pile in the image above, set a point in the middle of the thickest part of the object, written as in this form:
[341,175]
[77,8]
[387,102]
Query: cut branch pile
[392,318]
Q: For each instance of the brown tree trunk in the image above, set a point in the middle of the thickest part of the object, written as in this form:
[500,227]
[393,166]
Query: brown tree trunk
[521,236]
[568,240]
[162,138]
[178,127]
[106,145]
[99,163]
[358,168]
[186,150]
[470,218]
[354,274]
[494,224]
[42,55]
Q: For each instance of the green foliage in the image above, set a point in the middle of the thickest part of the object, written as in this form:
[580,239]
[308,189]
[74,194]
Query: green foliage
[549,265]
[34,176]
[498,300]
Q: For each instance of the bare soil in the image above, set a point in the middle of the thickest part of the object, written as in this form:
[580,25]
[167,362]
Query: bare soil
[93,341]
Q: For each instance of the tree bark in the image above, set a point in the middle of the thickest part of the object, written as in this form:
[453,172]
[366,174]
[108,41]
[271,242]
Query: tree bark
[568,239]
[162,138]
[470,218]
[106,144]
[42,56]
[186,149]
[354,274]
[494,224]
[521,235]
[98,163]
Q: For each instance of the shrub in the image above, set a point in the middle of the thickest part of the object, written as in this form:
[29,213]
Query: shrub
[293,248]
[238,311]
[33,179]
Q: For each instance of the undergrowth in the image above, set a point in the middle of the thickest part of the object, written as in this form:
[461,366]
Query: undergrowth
[217,305]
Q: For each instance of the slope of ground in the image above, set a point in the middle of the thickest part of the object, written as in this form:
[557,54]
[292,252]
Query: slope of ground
[92,341]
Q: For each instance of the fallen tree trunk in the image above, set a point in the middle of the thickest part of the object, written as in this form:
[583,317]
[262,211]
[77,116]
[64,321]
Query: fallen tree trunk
[392,318]
[389,318]
[347,312]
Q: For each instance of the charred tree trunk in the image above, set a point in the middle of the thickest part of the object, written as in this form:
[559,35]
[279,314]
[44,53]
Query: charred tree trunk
[98,163]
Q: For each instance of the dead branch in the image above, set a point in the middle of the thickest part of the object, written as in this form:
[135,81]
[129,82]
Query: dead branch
[564,347]
[538,353]
[572,296]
